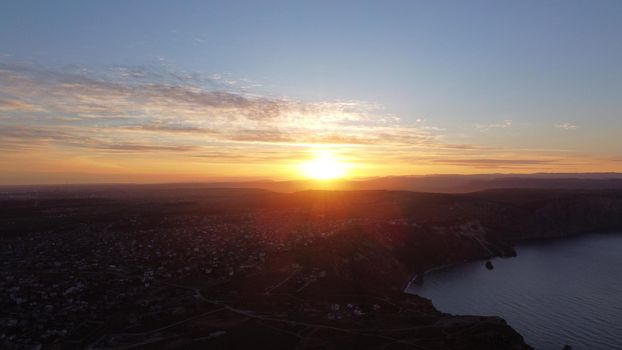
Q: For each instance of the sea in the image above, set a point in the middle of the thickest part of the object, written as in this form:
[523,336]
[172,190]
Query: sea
[554,293]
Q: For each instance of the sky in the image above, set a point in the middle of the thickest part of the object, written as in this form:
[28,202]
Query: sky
[163,91]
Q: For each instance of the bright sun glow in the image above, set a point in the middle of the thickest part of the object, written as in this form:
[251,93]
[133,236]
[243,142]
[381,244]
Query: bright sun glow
[324,166]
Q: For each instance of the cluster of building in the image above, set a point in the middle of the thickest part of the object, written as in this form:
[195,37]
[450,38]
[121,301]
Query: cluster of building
[63,286]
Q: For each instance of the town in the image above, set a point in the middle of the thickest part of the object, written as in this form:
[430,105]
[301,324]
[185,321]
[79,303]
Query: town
[108,271]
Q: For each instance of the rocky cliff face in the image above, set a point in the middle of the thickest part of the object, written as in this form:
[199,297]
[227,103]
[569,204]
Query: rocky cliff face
[533,214]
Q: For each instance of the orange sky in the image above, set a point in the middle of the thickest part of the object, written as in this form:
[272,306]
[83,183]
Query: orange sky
[64,127]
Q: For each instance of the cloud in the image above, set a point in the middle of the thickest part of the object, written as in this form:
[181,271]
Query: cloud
[18,137]
[155,96]
[567,126]
[133,147]
[14,104]
[503,125]
[125,113]
[163,127]
[133,102]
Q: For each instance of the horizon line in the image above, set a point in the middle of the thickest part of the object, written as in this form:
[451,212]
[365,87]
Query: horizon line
[615,175]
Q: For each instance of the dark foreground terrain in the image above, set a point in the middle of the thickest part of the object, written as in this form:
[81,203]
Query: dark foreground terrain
[121,267]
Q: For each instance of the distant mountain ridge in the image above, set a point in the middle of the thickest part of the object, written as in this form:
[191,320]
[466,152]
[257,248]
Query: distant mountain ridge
[416,183]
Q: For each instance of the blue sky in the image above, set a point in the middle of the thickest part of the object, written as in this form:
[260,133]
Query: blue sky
[504,74]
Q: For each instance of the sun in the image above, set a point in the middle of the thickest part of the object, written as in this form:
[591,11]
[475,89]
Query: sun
[324,166]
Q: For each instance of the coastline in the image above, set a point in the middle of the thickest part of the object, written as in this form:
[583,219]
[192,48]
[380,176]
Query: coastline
[419,278]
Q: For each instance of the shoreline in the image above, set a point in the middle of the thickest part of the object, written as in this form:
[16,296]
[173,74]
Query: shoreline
[419,278]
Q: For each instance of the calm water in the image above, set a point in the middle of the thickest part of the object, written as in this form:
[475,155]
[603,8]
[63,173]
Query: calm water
[554,293]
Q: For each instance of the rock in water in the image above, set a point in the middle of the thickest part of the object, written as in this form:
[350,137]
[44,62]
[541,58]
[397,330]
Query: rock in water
[489,265]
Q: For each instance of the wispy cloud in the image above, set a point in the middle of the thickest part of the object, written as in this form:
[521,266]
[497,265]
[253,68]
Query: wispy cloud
[567,126]
[134,102]
[131,117]
[134,147]
[8,104]
[502,125]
